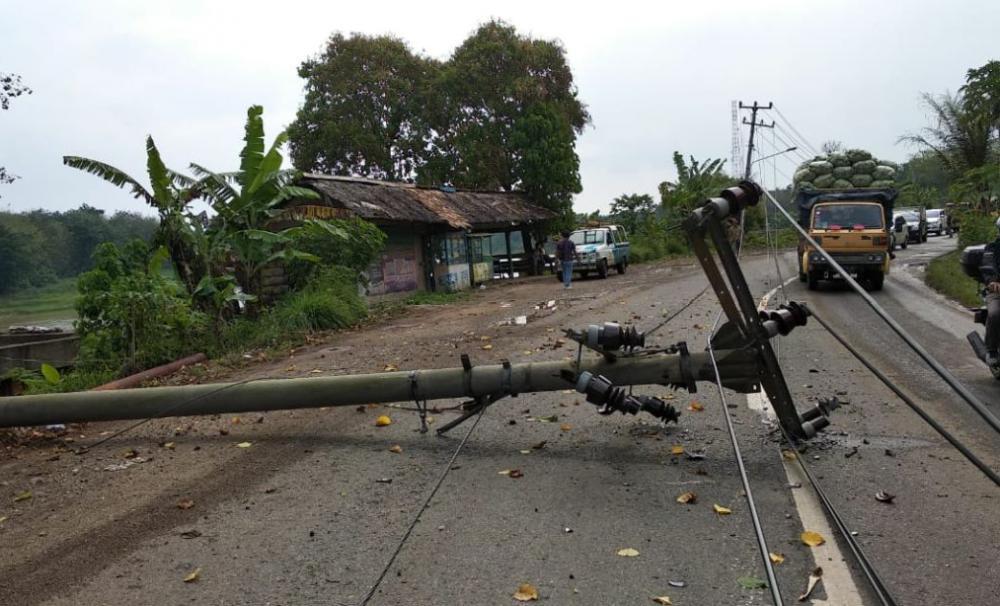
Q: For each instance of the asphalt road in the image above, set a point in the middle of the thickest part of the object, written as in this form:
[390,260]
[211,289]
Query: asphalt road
[312,510]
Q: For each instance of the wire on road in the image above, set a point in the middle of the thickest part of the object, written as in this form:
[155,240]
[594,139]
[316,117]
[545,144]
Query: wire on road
[765,553]
[962,448]
[423,507]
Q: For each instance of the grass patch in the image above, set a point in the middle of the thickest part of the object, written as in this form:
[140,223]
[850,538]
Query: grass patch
[44,304]
[435,298]
[945,275]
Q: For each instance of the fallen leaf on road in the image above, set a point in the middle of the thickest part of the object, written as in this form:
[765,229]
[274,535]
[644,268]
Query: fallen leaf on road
[677,583]
[814,579]
[788,455]
[22,496]
[185,504]
[3,519]
[884,497]
[169,445]
[677,450]
[526,593]
[662,600]
[516,473]
[528,451]
[696,406]
[382,421]
[488,346]
[627,552]
[289,369]
[190,534]
[485,338]
[131,453]
[193,576]
[722,511]
[549,419]
[812,539]
[776,558]
[244,445]
[565,427]
[396,448]
[539,446]
[751,583]
[390,368]
[687,498]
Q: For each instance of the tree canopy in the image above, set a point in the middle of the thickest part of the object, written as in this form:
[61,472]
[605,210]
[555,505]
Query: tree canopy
[502,113]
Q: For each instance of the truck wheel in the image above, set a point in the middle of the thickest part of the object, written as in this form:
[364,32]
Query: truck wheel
[622,267]
[813,279]
[875,280]
[584,273]
[906,242]
[802,276]
[602,269]
[923,238]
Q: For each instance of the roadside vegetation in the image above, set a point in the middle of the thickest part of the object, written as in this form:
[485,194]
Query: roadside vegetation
[501,113]
[945,275]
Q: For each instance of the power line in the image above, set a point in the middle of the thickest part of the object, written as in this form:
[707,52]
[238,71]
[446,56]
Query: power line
[796,131]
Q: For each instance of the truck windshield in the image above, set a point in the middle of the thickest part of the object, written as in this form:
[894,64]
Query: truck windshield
[588,236]
[848,216]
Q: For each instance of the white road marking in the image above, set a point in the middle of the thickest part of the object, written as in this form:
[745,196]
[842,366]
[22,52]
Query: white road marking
[837,580]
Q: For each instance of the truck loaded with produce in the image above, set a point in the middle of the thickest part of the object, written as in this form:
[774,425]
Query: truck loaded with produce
[845,201]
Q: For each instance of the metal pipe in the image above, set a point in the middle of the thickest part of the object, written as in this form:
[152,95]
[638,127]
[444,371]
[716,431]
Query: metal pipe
[738,367]
[153,373]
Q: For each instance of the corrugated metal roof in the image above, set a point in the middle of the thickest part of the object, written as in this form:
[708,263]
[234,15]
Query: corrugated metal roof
[380,201]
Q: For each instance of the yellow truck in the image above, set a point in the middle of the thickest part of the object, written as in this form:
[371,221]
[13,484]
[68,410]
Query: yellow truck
[853,225]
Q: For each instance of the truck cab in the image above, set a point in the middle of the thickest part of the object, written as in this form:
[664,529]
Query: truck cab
[855,232]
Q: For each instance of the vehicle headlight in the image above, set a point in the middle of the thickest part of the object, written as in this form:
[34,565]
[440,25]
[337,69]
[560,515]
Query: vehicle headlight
[815,257]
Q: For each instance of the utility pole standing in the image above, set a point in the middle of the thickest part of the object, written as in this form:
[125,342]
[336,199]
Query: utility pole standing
[753,126]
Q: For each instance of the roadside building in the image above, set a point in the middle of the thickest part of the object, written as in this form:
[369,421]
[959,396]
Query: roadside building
[438,239]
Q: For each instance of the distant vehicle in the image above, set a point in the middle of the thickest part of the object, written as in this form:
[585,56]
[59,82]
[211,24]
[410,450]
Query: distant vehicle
[852,226]
[600,249]
[917,219]
[936,221]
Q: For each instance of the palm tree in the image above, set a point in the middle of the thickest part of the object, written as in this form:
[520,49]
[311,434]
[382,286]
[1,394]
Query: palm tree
[961,137]
[171,194]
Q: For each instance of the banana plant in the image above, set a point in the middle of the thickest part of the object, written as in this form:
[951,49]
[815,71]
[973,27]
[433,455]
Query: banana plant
[170,194]
[245,201]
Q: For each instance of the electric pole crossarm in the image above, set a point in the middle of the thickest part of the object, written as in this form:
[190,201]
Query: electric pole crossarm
[738,367]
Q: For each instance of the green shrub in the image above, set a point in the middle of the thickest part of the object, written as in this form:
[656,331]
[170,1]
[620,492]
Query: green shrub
[976,228]
[352,243]
[131,317]
[946,276]
[328,301]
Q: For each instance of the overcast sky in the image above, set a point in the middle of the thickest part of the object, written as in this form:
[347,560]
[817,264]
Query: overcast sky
[657,77]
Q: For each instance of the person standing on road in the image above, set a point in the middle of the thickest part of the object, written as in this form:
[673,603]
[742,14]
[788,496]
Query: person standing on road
[566,253]
[993,304]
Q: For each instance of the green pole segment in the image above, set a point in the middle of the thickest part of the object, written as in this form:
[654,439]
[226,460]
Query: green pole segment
[738,368]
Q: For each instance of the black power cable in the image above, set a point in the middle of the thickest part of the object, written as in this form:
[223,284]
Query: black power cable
[962,448]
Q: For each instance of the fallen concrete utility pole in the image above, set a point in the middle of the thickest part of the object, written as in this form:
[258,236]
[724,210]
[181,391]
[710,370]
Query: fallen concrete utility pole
[741,347]
[739,368]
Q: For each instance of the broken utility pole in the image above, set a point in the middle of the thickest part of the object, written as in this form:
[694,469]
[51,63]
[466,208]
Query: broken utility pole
[741,351]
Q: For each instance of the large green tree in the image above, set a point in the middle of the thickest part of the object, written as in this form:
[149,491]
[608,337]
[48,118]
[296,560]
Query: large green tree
[982,91]
[502,113]
[633,210]
[365,110]
[492,82]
